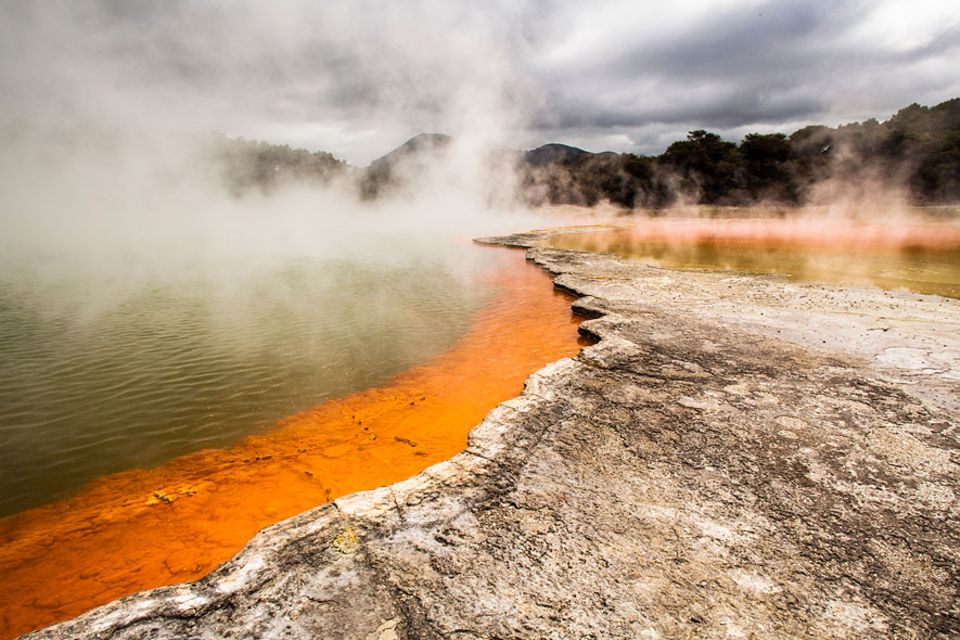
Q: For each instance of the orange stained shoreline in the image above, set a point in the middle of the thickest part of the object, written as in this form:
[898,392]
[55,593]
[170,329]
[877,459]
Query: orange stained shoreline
[141,529]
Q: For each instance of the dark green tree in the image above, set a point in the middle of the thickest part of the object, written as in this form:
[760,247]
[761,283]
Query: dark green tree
[706,164]
[766,158]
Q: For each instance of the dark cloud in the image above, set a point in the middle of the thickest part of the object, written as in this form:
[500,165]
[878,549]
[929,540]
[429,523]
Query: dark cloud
[358,77]
[766,65]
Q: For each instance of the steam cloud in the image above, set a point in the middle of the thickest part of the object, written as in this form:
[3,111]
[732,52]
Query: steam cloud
[103,101]
[104,155]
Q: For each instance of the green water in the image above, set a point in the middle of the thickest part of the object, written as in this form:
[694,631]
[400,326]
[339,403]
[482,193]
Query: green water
[914,269]
[107,370]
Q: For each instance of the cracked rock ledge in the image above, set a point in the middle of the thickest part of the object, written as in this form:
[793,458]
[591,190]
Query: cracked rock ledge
[737,457]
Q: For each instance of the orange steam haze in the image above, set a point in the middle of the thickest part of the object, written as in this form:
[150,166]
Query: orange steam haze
[811,246]
[145,528]
[812,231]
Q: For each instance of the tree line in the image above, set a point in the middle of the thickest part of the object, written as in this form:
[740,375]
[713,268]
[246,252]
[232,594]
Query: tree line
[917,149]
[246,165]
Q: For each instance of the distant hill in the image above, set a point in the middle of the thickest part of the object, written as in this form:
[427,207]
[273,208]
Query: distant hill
[384,172]
[424,143]
[553,153]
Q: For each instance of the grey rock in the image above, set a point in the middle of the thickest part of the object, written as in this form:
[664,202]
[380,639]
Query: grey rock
[736,457]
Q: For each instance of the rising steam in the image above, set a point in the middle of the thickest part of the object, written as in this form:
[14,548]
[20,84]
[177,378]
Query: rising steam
[104,150]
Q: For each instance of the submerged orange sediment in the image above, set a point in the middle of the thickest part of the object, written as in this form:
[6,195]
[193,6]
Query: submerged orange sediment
[145,528]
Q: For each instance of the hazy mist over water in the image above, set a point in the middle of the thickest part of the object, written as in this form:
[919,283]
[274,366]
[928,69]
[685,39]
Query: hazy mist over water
[146,311]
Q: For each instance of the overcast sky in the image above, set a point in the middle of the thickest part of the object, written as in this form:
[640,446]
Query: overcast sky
[357,78]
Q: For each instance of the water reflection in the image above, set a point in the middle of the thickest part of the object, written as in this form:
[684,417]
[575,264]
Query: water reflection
[919,258]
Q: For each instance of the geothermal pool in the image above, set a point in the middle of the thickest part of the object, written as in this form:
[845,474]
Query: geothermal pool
[152,426]
[98,377]
[917,257]
[175,404]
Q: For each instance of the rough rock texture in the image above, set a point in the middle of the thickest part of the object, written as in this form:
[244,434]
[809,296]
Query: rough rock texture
[737,457]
